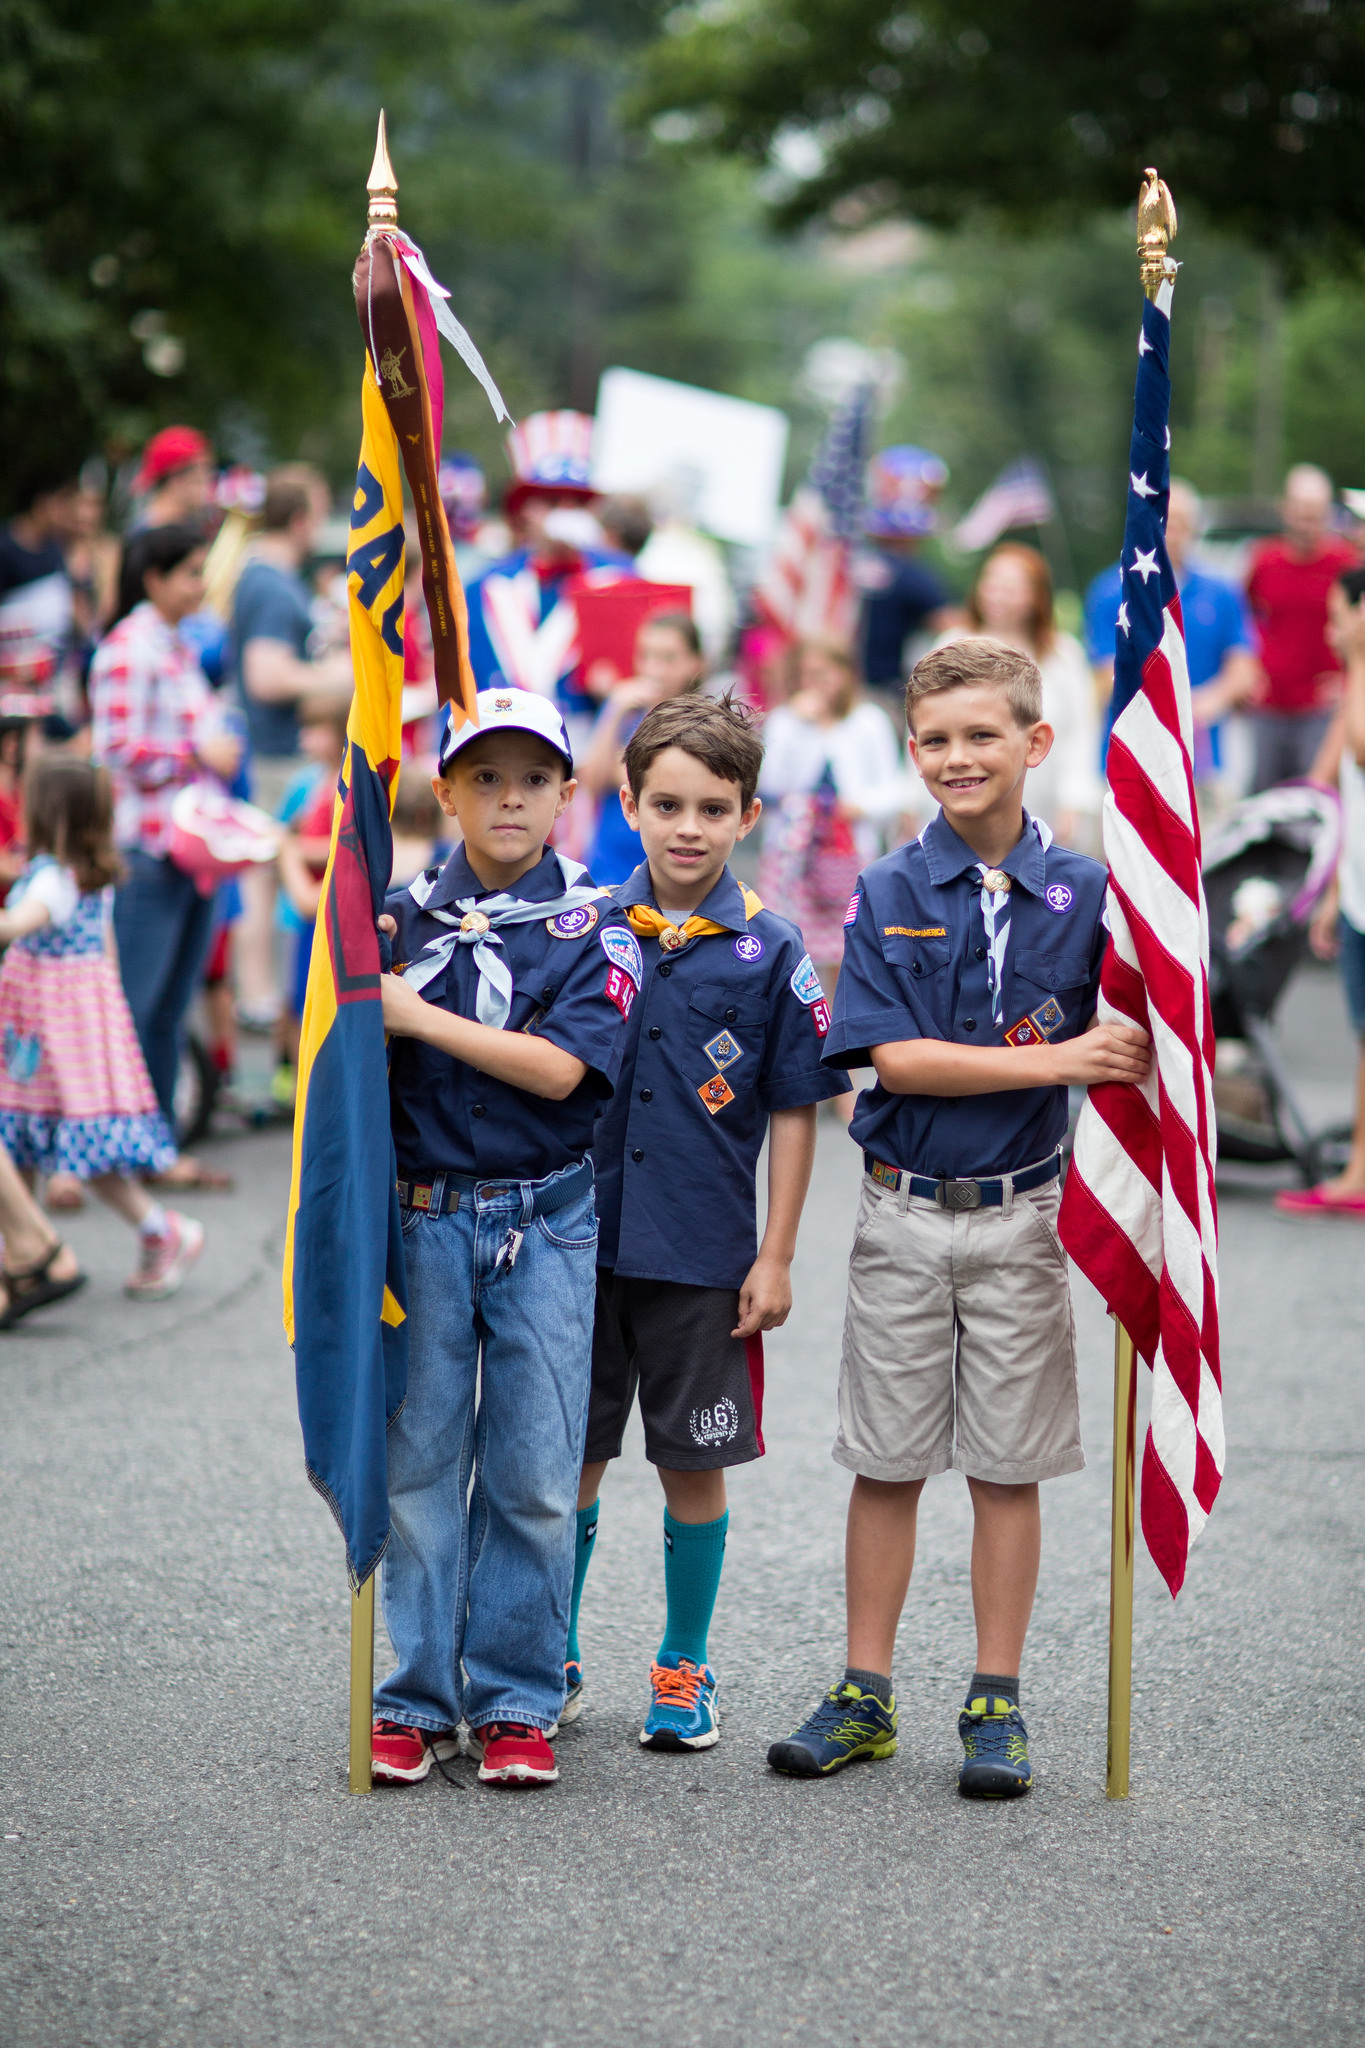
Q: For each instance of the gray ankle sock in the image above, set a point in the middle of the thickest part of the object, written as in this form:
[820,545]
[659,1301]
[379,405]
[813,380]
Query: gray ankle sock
[990,1682]
[869,1681]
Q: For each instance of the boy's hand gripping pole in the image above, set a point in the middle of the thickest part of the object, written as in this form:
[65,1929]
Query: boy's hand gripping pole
[362,1683]
[1121,1563]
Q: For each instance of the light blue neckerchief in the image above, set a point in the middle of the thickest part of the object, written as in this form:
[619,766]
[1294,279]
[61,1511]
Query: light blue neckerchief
[995,916]
[475,925]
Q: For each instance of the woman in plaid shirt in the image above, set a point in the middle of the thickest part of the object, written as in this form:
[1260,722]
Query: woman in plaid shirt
[156,728]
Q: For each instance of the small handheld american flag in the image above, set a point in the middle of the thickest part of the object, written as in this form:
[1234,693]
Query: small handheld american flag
[1139,1213]
[807,588]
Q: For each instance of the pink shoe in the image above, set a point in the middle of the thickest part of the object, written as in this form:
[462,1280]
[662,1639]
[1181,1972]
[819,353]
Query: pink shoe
[166,1259]
[1319,1201]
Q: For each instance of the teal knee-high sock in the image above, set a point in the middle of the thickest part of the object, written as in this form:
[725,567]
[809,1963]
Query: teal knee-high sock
[584,1538]
[693,1555]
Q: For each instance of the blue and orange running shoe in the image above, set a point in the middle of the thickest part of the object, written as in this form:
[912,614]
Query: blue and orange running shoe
[682,1711]
[848,1727]
[573,1694]
[996,1765]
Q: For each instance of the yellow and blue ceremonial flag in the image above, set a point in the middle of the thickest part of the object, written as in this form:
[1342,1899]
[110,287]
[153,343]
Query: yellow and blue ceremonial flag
[345,1297]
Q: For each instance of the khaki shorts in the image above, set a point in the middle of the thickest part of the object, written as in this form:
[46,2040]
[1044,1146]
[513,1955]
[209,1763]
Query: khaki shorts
[959,1342]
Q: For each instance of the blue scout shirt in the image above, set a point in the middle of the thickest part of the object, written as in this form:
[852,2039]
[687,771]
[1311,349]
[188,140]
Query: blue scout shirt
[724,1031]
[448,1117]
[915,967]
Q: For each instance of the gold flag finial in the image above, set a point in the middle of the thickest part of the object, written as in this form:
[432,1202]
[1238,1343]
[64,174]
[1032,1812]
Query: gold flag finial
[381,184]
[1156,228]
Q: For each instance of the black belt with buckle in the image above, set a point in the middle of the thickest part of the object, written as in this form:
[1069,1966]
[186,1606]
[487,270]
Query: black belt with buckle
[441,1195]
[963,1194]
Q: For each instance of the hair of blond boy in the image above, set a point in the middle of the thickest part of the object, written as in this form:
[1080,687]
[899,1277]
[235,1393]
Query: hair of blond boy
[965,664]
[713,730]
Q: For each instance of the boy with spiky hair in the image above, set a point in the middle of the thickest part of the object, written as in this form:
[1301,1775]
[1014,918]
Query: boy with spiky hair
[723,1044]
[970,979]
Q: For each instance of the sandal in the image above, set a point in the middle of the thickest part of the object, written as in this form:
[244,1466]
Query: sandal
[191,1173]
[34,1287]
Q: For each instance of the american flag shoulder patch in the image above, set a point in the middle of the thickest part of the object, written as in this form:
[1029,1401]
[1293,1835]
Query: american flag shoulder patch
[851,914]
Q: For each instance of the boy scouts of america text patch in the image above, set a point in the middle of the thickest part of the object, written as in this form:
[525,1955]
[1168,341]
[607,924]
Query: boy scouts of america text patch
[716,1092]
[621,949]
[572,924]
[805,982]
[1041,1025]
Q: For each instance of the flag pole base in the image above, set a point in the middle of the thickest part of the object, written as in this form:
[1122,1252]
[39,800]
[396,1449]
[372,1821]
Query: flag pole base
[362,1683]
[1121,1564]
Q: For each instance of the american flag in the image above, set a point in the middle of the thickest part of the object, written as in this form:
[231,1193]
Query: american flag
[1020,496]
[1139,1213]
[806,587]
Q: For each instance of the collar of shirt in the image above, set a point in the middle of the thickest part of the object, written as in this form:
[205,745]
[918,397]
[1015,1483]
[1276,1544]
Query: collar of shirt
[946,856]
[457,879]
[724,905]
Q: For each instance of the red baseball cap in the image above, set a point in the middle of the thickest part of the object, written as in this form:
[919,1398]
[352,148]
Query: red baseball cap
[173,449]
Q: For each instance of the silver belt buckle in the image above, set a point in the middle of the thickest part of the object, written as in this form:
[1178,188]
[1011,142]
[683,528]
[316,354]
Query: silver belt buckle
[958,1194]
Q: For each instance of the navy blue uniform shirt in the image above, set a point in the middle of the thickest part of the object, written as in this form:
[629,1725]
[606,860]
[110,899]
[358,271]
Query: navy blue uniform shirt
[915,967]
[723,1032]
[448,1116]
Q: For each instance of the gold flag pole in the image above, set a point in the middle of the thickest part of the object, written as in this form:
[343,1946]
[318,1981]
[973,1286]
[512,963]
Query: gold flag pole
[1121,1563]
[382,187]
[1156,225]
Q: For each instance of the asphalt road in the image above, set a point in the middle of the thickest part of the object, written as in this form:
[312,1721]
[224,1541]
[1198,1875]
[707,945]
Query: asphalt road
[182,1864]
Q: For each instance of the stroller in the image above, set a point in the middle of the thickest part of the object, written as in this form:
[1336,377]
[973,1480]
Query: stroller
[1266,867]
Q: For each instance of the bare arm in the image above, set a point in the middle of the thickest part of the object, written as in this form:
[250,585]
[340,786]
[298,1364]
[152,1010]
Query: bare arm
[765,1299]
[517,1057]
[28,916]
[273,674]
[932,1066]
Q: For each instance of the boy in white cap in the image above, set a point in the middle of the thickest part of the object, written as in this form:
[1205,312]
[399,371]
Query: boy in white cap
[512,978]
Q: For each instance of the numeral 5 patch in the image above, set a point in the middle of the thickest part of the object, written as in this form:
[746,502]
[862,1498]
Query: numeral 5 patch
[620,989]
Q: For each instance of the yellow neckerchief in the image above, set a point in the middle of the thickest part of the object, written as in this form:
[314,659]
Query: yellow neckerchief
[648,923]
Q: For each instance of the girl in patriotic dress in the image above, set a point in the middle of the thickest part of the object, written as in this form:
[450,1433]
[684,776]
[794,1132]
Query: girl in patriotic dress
[75,1096]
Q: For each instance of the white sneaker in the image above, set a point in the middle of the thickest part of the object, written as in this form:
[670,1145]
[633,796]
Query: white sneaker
[165,1260]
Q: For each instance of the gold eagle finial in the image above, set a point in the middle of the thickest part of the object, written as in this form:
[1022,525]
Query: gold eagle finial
[1156,228]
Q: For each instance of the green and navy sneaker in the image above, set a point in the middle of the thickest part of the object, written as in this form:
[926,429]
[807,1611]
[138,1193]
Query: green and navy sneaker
[996,1741]
[682,1711]
[573,1694]
[847,1727]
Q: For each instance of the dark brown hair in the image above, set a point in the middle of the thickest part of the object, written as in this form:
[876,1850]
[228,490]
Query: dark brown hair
[289,490]
[1042,627]
[964,662]
[69,813]
[713,730]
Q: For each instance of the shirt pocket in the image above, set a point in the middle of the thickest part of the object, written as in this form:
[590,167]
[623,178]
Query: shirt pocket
[921,956]
[726,1029]
[1038,972]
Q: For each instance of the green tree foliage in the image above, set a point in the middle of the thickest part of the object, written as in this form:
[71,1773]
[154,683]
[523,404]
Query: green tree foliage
[1254,109]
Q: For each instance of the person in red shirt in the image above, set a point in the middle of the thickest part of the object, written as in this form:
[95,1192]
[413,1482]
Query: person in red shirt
[1287,590]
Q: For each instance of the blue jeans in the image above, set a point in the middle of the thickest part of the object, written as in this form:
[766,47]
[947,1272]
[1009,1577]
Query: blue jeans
[163,927]
[476,1590]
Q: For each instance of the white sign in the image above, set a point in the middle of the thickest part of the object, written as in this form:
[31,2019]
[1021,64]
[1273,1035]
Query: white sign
[711,460]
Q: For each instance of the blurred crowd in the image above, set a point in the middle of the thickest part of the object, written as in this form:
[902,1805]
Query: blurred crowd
[182,645]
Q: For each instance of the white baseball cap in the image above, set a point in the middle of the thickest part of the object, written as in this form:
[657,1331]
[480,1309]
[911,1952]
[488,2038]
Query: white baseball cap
[509,711]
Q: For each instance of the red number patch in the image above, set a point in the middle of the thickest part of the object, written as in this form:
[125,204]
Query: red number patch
[620,990]
[819,1016]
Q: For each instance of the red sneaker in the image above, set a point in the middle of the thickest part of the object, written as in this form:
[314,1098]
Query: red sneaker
[514,1755]
[164,1261]
[400,1756]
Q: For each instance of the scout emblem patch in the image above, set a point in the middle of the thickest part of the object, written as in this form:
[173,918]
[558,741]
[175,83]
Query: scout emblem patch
[716,1092]
[623,951]
[572,924]
[723,1050]
[748,947]
[1034,1029]
[805,982]
[1057,896]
